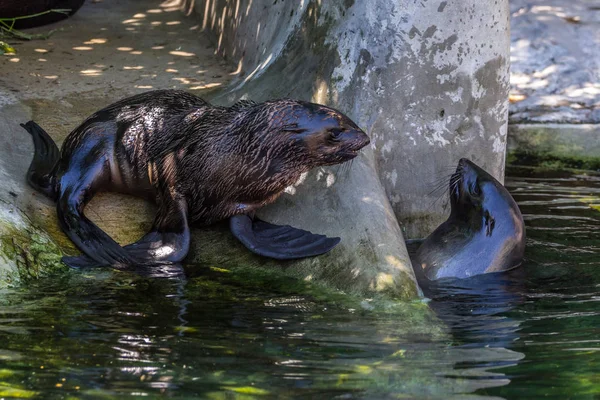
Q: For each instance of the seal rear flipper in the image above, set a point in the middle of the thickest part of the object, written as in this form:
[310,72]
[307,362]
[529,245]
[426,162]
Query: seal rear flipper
[46,154]
[277,241]
[100,249]
[80,262]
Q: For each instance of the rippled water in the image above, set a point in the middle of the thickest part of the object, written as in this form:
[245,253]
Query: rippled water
[533,333]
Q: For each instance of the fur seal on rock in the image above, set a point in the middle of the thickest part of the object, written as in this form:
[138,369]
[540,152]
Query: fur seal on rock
[484,233]
[200,163]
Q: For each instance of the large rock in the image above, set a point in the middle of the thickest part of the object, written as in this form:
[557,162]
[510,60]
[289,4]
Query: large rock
[283,49]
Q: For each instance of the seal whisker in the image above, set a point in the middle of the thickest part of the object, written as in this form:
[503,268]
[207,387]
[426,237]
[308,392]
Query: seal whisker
[439,184]
[445,182]
[344,169]
[437,191]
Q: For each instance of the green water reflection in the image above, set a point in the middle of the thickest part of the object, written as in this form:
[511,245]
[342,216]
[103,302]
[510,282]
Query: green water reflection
[531,334]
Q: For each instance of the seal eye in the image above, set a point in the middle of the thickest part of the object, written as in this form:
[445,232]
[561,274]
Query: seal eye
[335,133]
[475,190]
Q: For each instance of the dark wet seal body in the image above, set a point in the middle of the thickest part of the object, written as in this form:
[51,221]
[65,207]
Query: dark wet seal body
[484,233]
[200,163]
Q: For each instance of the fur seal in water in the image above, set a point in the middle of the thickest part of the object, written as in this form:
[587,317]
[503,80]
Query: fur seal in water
[484,233]
[200,163]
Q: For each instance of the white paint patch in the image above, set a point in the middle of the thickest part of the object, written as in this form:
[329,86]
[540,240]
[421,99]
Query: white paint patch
[478,91]
[394,177]
[456,96]
[388,147]
[291,190]
[302,178]
[498,145]
[330,180]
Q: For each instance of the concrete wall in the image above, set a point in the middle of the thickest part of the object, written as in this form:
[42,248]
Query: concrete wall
[428,80]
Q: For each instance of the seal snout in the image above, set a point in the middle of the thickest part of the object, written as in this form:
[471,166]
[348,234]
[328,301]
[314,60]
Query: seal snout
[357,139]
[464,164]
[353,141]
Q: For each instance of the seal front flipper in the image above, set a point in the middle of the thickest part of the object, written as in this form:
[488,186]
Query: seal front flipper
[277,241]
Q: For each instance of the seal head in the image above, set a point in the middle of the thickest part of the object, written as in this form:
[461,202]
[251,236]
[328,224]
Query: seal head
[484,233]
[328,136]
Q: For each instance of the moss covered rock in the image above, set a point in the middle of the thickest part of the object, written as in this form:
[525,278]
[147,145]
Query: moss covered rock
[26,251]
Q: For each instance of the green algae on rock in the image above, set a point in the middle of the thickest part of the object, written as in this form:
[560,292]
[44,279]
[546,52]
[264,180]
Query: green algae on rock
[26,252]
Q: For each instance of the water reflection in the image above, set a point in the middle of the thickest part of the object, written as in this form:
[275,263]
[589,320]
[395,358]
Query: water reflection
[475,309]
[114,334]
[106,334]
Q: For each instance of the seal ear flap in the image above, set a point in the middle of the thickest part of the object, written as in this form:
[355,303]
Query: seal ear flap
[279,242]
[490,223]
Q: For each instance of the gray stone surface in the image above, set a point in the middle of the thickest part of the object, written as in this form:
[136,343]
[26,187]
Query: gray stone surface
[423,78]
[555,57]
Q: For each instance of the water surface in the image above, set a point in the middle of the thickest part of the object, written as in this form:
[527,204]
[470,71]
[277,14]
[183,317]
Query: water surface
[530,334]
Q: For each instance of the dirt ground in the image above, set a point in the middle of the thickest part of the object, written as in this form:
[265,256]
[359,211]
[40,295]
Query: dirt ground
[555,61]
[106,51]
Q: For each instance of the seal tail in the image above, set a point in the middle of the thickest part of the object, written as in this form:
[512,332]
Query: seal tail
[45,159]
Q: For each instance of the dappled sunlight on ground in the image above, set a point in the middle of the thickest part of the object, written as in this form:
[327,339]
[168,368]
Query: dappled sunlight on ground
[237,28]
[555,57]
[127,46]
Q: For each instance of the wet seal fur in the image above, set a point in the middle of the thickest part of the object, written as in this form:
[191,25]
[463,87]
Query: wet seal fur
[200,163]
[484,233]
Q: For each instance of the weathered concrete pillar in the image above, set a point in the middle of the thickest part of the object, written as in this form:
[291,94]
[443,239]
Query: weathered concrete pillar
[428,80]
[281,51]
